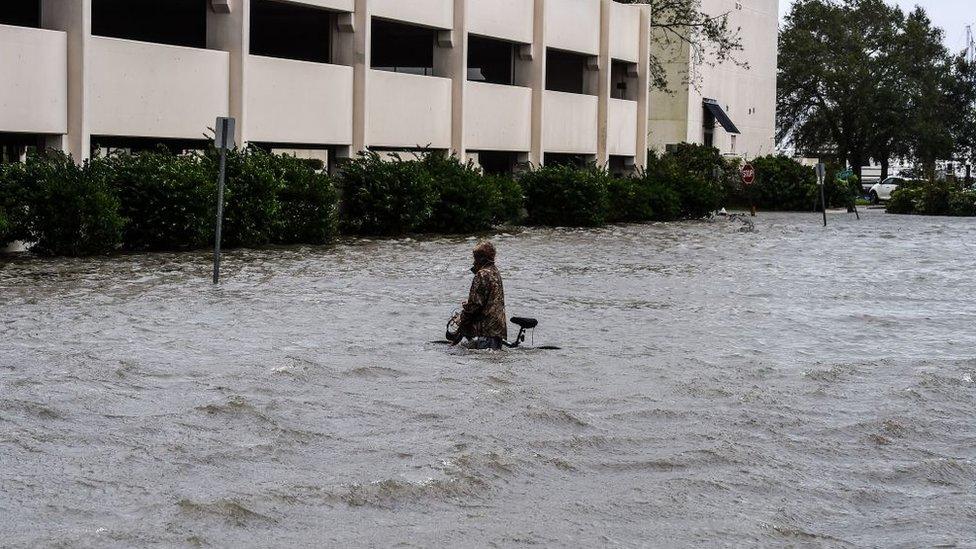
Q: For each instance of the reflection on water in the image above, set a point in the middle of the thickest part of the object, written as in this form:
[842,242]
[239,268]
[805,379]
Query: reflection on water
[789,385]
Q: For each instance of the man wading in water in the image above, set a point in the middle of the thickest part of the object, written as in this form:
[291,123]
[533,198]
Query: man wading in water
[482,318]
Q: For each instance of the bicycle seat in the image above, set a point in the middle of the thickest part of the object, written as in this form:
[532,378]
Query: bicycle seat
[525,323]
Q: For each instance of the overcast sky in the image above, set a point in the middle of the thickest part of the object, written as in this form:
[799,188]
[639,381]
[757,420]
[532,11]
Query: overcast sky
[951,15]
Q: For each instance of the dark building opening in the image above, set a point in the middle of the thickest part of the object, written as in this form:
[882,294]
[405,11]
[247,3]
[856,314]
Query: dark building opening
[21,13]
[397,47]
[13,146]
[498,162]
[289,31]
[173,22]
[566,72]
[491,61]
[623,80]
[565,159]
[112,144]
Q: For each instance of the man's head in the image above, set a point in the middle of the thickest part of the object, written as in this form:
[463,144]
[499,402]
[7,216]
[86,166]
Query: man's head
[484,254]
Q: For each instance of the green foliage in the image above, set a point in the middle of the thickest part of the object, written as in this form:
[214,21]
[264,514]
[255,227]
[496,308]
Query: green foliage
[889,90]
[510,202]
[67,209]
[641,198]
[251,207]
[385,197]
[564,196]
[784,184]
[466,200]
[935,198]
[308,203]
[699,194]
[167,201]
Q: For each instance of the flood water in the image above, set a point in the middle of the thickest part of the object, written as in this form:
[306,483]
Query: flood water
[786,386]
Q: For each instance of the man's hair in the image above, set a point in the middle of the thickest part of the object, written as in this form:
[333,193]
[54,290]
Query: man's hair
[484,251]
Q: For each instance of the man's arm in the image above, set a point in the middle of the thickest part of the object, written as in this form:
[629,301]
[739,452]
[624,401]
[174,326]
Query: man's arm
[476,302]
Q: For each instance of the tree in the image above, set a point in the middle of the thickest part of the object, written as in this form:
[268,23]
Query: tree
[710,37]
[835,78]
[863,80]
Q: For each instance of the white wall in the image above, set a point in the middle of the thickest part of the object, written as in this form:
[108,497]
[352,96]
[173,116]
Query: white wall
[33,80]
[299,102]
[624,32]
[622,127]
[498,117]
[749,93]
[337,5]
[432,13]
[407,110]
[570,123]
[508,19]
[574,25]
[141,89]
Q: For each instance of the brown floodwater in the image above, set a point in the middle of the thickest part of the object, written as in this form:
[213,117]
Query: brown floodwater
[788,385]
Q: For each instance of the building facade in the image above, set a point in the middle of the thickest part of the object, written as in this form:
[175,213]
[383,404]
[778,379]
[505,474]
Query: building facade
[730,106]
[498,81]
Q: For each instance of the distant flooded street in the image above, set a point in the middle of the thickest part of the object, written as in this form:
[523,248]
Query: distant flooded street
[789,385]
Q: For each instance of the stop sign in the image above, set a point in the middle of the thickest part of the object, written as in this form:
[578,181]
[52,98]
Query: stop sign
[748,174]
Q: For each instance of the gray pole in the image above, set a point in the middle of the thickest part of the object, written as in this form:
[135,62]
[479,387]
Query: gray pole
[823,199]
[220,215]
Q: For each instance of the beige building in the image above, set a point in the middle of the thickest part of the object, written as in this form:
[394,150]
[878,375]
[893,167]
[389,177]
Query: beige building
[500,81]
[728,106]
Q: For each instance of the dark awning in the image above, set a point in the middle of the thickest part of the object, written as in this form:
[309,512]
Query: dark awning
[719,113]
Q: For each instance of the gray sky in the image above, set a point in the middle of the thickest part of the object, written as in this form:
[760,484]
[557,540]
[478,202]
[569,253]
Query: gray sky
[951,15]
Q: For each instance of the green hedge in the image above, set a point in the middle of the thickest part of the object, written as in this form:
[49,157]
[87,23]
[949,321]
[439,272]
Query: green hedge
[434,193]
[61,208]
[784,184]
[160,201]
[936,198]
[566,196]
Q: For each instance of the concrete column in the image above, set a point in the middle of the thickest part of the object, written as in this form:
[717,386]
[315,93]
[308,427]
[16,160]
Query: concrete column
[643,87]
[74,18]
[362,23]
[458,66]
[231,32]
[537,81]
[603,87]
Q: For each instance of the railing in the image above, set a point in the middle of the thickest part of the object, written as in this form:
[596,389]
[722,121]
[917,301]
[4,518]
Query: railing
[145,89]
[299,102]
[34,80]
[497,117]
[406,110]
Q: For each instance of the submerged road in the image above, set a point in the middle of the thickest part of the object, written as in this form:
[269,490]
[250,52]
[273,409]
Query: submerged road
[786,386]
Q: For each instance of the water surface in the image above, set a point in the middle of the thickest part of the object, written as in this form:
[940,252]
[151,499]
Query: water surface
[787,386]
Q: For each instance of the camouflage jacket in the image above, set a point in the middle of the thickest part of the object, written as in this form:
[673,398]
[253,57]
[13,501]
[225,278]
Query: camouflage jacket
[483,314]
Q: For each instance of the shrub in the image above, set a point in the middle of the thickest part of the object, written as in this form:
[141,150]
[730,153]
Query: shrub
[308,203]
[509,202]
[934,198]
[69,209]
[784,184]
[698,196]
[466,201]
[641,198]
[251,207]
[566,196]
[13,205]
[167,201]
[385,197]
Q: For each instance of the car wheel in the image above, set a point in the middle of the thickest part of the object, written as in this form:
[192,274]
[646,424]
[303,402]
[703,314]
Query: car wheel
[874,198]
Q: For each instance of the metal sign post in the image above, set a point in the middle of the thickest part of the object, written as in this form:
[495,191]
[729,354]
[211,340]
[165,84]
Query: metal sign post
[223,140]
[821,178]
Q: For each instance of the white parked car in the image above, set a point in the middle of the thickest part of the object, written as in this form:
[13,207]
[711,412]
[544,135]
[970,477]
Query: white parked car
[882,191]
